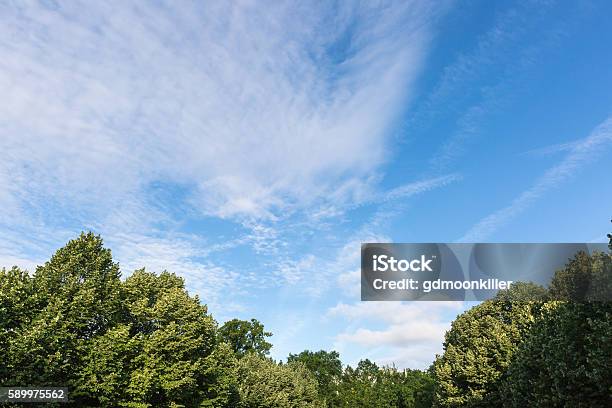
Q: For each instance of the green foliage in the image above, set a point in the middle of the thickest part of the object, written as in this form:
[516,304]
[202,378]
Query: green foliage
[145,342]
[520,292]
[584,278]
[370,386]
[163,350]
[326,368]
[363,387]
[245,337]
[566,359]
[16,298]
[142,342]
[75,297]
[480,345]
[515,352]
[416,389]
[266,384]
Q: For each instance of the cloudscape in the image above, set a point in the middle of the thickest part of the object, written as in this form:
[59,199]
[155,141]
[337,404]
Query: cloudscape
[252,147]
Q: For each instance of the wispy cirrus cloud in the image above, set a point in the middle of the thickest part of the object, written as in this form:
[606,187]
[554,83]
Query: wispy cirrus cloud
[553,149]
[483,80]
[581,153]
[317,274]
[246,114]
[256,110]
[217,285]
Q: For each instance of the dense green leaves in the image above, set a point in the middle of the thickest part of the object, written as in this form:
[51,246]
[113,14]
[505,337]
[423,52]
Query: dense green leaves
[75,297]
[479,347]
[145,342]
[515,352]
[140,342]
[263,383]
[366,385]
[16,305]
[327,370]
[585,278]
[566,359]
[245,337]
[371,386]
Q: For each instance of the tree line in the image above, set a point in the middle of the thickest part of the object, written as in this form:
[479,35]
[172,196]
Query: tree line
[534,347]
[144,341]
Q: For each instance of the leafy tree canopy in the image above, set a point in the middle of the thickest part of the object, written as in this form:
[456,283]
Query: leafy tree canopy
[245,336]
[326,368]
[145,342]
[263,383]
[139,342]
[566,358]
[584,278]
[480,345]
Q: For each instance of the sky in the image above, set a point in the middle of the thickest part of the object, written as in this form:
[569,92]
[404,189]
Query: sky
[251,147]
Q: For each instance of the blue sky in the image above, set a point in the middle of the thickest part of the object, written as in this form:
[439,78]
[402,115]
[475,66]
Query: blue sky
[252,146]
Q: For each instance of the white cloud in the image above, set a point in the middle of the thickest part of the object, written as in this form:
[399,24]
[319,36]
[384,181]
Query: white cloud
[398,335]
[293,272]
[408,334]
[245,104]
[393,312]
[256,112]
[581,153]
[350,282]
[8,261]
[218,286]
[317,274]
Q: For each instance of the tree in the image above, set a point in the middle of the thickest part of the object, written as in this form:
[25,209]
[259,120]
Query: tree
[76,296]
[371,386]
[145,342]
[16,303]
[610,238]
[584,278]
[530,347]
[140,343]
[480,345]
[566,359]
[367,385]
[327,370]
[363,387]
[266,384]
[245,336]
[413,388]
[164,353]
